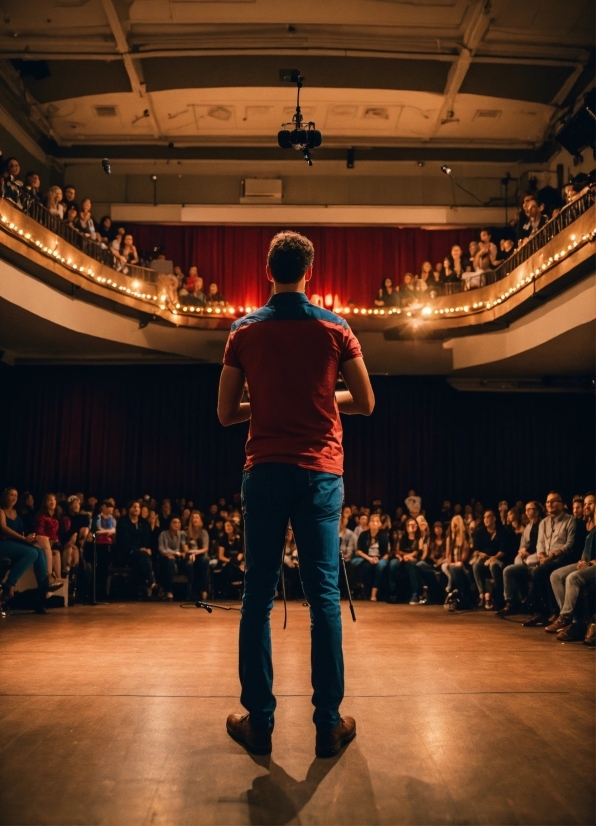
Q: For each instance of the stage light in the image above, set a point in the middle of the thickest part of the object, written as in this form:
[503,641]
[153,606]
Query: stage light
[426,311]
[446,169]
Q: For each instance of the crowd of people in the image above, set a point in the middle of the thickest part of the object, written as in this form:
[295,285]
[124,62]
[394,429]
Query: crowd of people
[459,269]
[472,268]
[521,559]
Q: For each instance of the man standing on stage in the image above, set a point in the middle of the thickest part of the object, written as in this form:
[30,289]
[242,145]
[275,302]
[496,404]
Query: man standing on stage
[291,353]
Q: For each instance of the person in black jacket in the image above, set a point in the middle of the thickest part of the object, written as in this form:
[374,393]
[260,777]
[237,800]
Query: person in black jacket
[372,555]
[492,552]
[133,540]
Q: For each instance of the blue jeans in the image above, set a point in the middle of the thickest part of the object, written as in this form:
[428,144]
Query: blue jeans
[272,494]
[23,556]
[372,575]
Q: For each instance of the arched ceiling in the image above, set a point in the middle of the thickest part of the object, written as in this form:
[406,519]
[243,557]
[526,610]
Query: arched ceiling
[454,74]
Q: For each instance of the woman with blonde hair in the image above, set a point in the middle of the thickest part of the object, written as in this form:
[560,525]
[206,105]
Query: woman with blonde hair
[458,550]
[53,202]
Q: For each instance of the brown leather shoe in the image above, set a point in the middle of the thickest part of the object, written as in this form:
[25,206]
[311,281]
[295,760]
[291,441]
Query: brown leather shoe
[573,633]
[590,638]
[558,625]
[254,740]
[330,743]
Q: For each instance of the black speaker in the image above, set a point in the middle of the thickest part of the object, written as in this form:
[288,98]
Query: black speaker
[580,130]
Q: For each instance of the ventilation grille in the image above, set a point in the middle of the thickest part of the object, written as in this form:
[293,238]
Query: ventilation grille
[261,191]
[488,114]
[106,111]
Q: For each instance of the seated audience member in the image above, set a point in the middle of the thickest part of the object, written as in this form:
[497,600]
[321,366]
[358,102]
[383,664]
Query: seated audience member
[104,526]
[85,223]
[480,277]
[490,557]
[33,186]
[22,552]
[48,525]
[128,251]
[456,554]
[214,297]
[70,218]
[556,549]
[104,230]
[133,542]
[407,291]
[517,575]
[53,202]
[74,535]
[347,538]
[197,297]
[69,199]
[503,507]
[459,262]
[387,295]
[198,546]
[230,554]
[449,275]
[189,281]
[12,181]
[175,557]
[291,569]
[567,584]
[485,245]
[506,245]
[179,276]
[472,251]
[165,514]
[372,556]
[552,200]
[26,511]
[426,270]
[555,545]
[408,553]
[116,246]
[362,524]
[421,286]
[433,556]
[413,502]
[536,219]
[434,285]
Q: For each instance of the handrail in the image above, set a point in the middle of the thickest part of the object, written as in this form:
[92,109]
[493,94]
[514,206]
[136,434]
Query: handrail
[568,214]
[98,252]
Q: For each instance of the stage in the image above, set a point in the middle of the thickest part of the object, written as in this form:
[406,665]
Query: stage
[115,715]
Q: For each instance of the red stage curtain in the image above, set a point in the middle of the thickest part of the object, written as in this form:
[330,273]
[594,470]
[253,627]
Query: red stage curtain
[350,262]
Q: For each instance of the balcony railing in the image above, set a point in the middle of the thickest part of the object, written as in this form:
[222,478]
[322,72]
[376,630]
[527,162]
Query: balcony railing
[568,214]
[95,250]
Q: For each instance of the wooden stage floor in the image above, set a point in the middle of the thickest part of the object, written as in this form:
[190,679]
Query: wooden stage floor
[115,715]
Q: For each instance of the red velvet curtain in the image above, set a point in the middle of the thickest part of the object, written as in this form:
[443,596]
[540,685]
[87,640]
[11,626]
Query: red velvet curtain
[129,430]
[350,262]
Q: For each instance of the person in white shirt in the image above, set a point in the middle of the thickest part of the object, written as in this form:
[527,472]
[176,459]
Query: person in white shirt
[175,556]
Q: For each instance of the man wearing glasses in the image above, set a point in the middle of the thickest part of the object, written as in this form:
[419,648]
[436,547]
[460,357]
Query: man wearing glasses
[517,575]
[556,537]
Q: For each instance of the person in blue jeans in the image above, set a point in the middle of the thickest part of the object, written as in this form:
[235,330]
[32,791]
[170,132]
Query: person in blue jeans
[290,355]
[372,558]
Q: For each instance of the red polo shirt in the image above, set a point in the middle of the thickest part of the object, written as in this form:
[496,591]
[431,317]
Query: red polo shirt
[291,353]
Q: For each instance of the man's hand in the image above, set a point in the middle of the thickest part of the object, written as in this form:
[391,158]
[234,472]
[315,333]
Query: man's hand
[359,397]
[523,553]
[230,407]
[373,559]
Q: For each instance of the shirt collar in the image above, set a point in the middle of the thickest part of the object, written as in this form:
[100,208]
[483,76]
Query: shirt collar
[287,298]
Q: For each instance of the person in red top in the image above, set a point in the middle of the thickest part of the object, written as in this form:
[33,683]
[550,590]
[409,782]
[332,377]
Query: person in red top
[47,528]
[290,354]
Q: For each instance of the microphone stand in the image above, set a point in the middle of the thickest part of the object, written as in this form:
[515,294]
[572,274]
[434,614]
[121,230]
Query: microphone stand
[94,600]
[209,606]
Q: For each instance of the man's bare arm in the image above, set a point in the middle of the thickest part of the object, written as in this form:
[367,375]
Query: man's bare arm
[230,407]
[359,397]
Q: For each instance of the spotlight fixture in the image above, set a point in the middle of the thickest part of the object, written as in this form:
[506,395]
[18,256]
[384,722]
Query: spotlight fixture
[446,169]
[303,135]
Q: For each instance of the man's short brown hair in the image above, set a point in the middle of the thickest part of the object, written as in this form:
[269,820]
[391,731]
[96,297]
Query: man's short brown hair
[290,256]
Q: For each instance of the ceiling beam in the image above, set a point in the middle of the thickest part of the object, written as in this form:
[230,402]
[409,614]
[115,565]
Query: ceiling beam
[133,70]
[473,35]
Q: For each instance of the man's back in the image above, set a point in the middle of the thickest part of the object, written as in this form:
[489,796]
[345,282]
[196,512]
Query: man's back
[291,353]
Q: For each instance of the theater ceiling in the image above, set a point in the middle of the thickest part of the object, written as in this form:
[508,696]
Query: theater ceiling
[89,76]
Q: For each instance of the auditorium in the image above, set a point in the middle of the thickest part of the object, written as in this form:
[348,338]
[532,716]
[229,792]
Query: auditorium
[297,370]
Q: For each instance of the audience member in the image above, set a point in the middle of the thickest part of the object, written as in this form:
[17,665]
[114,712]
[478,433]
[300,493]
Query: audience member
[48,525]
[489,559]
[407,291]
[33,186]
[133,543]
[175,557]
[53,202]
[387,295]
[70,198]
[372,556]
[214,297]
[568,581]
[198,545]
[517,575]
[556,536]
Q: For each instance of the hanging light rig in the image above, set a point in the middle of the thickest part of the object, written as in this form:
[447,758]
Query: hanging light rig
[302,135]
